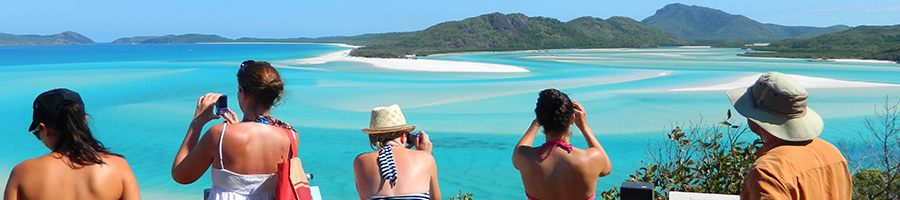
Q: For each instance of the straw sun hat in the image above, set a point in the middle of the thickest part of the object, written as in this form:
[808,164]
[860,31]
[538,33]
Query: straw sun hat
[778,104]
[386,120]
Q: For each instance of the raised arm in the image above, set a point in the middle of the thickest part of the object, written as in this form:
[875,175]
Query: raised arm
[525,143]
[195,154]
[598,155]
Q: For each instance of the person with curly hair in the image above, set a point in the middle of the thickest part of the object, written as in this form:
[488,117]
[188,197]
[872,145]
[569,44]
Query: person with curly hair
[568,172]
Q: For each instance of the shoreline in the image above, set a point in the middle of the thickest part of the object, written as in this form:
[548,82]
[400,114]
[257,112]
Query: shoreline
[858,61]
[421,65]
[808,82]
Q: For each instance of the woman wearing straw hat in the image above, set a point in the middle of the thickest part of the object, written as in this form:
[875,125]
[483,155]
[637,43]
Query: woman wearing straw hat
[392,171]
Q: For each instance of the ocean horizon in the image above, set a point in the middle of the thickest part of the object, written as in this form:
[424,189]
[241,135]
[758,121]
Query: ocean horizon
[141,98]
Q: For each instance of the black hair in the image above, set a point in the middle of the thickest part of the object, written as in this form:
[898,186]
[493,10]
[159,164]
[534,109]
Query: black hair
[554,111]
[74,137]
[260,80]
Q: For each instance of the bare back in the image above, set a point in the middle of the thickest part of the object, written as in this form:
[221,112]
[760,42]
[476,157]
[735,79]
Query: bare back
[416,173]
[562,175]
[250,147]
[52,177]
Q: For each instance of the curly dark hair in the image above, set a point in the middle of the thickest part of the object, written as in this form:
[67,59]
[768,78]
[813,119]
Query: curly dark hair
[554,111]
[260,80]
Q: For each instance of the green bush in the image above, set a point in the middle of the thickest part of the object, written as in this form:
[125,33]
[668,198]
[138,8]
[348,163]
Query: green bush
[461,196]
[706,158]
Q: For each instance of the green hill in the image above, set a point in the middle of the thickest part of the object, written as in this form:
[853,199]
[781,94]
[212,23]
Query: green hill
[497,32]
[701,24]
[64,38]
[863,42]
[172,39]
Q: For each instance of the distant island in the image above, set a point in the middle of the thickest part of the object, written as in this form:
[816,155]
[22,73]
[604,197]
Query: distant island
[863,42]
[360,40]
[707,25]
[64,38]
[499,32]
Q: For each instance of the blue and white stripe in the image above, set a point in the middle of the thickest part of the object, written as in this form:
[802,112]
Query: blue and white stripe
[386,163]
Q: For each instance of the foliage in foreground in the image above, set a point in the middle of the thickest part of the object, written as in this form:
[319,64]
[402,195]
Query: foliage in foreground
[713,159]
[706,158]
[461,196]
[875,163]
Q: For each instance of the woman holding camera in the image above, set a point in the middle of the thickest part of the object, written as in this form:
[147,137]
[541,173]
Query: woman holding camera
[568,172]
[243,153]
[79,166]
[393,171]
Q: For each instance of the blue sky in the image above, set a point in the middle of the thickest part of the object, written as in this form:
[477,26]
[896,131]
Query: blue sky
[107,20]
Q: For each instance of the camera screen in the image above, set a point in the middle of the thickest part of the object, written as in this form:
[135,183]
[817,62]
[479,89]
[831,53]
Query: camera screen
[222,105]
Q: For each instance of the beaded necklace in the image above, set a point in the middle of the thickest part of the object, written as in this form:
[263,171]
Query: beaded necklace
[269,120]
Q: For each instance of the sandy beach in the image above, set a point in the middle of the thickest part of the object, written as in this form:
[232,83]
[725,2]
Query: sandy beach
[806,81]
[424,65]
[863,61]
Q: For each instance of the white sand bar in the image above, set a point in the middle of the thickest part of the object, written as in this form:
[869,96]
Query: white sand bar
[425,65]
[863,61]
[806,81]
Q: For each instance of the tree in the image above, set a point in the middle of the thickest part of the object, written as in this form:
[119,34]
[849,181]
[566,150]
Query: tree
[875,160]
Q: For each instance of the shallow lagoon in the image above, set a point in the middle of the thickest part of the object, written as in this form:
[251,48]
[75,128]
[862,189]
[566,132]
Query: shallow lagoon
[141,98]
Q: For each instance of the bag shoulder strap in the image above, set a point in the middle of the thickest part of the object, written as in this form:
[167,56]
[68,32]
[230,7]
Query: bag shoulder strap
[293,149]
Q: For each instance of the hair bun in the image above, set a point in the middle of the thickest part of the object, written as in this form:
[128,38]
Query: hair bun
[262,82]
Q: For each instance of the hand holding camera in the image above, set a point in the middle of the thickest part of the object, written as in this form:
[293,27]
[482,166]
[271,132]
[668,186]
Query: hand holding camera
[213,106]
[419,140]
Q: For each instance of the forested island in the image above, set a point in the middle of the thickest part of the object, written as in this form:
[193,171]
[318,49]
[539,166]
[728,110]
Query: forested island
[499,32]
[863,42]
[706,25]
[64,38]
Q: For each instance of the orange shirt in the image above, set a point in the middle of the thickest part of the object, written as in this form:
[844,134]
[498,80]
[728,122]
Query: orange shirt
[816,170]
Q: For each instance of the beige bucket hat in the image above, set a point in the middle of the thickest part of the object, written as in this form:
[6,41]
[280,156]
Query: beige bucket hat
[386,120]
[778,104]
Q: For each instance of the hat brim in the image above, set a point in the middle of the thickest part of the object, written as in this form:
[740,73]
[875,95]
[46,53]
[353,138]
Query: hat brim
[34,125]
[389,129]
[804,128]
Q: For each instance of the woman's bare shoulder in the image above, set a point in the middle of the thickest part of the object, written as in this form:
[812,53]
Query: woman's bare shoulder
[31,165]
[115,161]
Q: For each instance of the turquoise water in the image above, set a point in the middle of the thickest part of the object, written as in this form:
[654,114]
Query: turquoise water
[141,99]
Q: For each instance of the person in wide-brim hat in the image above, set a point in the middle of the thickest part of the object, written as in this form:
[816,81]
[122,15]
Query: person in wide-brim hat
[393,168]
[777,104]
[792,160]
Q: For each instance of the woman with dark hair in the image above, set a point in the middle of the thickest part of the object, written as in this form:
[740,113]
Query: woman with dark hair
[79,167]
[393,170]
[568,172]
[244,154]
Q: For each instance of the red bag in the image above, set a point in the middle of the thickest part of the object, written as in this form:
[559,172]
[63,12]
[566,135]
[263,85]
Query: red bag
[292,182]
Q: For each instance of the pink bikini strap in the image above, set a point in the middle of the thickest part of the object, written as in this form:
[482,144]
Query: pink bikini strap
[564,145]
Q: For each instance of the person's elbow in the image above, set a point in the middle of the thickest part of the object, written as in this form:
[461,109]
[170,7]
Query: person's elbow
[606,170]
[181,179]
